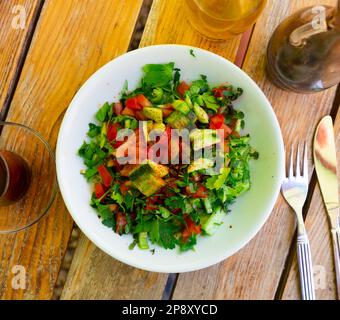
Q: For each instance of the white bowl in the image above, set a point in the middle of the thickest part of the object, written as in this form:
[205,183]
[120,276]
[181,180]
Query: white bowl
[250,211]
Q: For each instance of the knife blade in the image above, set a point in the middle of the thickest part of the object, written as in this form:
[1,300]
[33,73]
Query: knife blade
[325,162]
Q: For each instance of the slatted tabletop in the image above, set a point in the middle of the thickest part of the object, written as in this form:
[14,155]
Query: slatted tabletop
[41,68]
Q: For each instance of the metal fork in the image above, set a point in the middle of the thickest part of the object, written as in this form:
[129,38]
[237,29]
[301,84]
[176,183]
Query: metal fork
[294,189]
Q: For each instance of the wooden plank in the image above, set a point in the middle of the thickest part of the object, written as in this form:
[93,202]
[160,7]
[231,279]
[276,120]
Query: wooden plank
[73,39]
[320,240]
[110,279]
[167,23]
[14,36]
[95,275]
[254,272]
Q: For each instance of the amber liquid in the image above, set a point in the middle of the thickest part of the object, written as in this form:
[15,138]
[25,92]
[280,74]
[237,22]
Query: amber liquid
[15,177]
[312,66]
[221,19]
[3,177]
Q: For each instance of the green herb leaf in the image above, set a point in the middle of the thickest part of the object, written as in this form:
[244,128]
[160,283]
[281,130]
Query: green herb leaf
[94,130]
[102,113]
[163,234]
[217,181]
[189,244]
[104,212]
[210,101]
[90,173]
[117,196]
[158,75]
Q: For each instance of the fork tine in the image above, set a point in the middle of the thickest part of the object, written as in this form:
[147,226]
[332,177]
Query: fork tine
[297,169]
[305,162]
[290,172]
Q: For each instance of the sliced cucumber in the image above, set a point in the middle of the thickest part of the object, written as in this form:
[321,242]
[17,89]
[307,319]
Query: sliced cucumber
[158,169]
[143,240]
[202,116]
[139,171]
[154,114]
[201,163]
[165,213]
[212,223]
[207,205]
[177,120]
[203,138]
[159,126]
[181,106]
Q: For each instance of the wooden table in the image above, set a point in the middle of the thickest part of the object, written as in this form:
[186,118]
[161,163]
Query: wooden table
[43,64]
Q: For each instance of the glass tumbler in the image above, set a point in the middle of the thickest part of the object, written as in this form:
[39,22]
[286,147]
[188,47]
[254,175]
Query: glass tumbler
[28,183]
[222,19]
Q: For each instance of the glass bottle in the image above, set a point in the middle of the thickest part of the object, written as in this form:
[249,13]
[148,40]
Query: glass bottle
[304,51]
[221,19]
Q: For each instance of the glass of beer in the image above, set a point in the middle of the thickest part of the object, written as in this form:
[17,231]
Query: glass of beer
[222,19]
[28,182]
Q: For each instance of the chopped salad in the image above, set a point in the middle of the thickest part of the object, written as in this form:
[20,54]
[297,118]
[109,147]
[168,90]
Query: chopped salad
[137,187]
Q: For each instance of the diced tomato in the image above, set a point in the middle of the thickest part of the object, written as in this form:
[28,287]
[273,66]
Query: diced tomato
[118,108]
[113,207]
[225,133]
[133,215]
[116,165]
[168,132]
[236,134]
[182,88]
[128,112]
[217,121]
[133,148]
[150,205]
[105,175]
[226,146]
[139,115]
[112,131]
[133,104]
[166,110]
[143,101]
[117,144]
[227,130]
[176,211]
[191,228]
[120,222]
[124,188]
[99,190]
[218,92]
[200,193]
[163,140]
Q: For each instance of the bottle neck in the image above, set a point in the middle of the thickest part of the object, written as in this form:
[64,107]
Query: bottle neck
[321,21]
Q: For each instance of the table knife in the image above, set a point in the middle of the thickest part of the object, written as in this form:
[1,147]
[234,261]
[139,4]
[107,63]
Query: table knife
[324,153]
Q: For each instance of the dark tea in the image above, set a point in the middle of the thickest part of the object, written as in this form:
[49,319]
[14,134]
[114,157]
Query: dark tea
[303,53]
[15,177]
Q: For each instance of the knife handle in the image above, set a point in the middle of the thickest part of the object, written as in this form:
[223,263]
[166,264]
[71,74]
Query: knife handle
[336,249]
[305,268]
